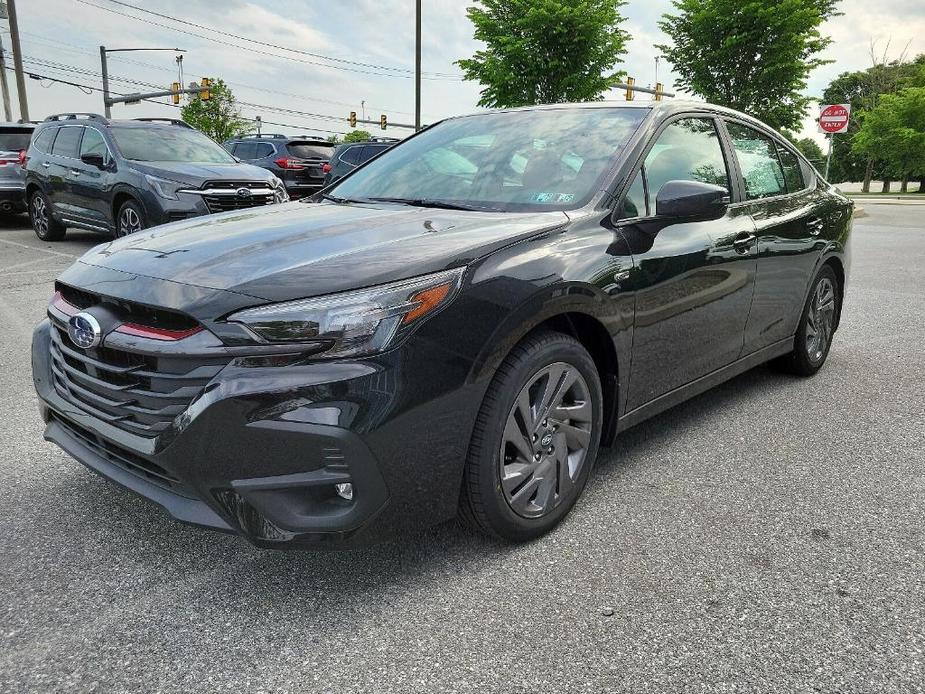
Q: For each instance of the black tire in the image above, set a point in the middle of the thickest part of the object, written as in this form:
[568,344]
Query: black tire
[808,357]
[131,219]
[45,226]
[484,503]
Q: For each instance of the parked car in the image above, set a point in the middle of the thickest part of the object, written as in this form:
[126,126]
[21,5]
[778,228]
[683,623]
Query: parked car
[118,177]
[14,141]
[350,155]
[298,161]
[459,325]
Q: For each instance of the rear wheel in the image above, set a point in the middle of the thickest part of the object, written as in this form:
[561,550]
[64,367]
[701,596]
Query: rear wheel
[535,439]
[46,227]
[131,219]
[817,326]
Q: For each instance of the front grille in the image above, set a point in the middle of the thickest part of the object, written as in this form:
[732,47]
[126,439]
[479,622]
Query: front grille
[138,393]
[224,202]
[123,458]
[131,312]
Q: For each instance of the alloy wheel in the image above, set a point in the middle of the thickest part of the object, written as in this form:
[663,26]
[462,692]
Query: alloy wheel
[39,216]
[129,222]
[820,320]
[545,440]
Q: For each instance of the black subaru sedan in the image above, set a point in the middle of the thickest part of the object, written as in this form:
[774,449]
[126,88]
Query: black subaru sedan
[455,327]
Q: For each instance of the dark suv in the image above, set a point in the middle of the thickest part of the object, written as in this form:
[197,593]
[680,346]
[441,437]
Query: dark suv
[298,161]
[460,323]
[14,141]
[117,177]
[350,155]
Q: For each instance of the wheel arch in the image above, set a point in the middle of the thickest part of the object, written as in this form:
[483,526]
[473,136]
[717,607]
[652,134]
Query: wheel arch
[119,198]
[838,267]
[581,321]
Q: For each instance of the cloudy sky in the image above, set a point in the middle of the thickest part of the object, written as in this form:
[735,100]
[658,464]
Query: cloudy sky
[345,53]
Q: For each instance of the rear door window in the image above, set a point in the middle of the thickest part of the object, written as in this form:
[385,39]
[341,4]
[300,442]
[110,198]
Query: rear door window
[45,138]
[67,144]
[352,155]
[757,154]
[246,150]
[793,172]
[263,149]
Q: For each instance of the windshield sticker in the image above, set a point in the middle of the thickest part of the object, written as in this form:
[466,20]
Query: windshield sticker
[552,198]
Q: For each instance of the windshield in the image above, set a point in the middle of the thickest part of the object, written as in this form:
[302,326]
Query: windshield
[523,160]
[11,140]
[169,144]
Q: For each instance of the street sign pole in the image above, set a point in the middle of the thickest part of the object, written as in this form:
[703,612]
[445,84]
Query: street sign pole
[828,159]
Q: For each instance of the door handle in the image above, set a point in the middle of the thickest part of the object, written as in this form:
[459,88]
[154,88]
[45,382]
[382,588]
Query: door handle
[743,241]
[75,172]
[815,225]
[46,164]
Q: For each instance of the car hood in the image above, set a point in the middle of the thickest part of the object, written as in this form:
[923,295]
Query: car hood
[197,174]
[297,250]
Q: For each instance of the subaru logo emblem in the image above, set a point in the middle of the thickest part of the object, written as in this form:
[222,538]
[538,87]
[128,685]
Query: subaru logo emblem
[84,330]
[244,192]
[546,440]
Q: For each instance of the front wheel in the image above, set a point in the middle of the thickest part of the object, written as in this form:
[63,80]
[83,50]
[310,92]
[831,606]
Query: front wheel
[535,439]
[817,326]
[131,219]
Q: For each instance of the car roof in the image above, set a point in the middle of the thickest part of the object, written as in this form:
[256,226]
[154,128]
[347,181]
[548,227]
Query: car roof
[662,108]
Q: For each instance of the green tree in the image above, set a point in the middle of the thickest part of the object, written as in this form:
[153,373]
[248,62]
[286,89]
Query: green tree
[545,51]
[893,132]
[357,136]
[751,55]
[862,89]
[219,117]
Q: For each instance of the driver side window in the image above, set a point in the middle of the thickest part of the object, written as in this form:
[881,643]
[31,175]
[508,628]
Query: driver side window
[687,150]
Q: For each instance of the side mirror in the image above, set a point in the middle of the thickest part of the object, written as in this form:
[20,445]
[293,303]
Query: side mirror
[691,199]
[97,160]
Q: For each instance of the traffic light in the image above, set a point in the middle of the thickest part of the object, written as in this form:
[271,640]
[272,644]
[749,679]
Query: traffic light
[630,81]
[175,88]
[383,123]
[658,91]
[352,119]
[205,93]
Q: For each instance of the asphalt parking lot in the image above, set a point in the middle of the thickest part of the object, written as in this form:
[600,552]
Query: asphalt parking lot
[764,537]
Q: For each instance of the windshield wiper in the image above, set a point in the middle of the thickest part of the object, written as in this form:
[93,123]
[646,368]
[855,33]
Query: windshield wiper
[429,202]
[334,198]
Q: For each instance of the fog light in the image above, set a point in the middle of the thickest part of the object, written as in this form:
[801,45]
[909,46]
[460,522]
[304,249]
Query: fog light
[344,491]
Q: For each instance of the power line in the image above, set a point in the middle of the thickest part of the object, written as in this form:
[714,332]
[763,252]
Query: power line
[274,45]
[259,52]
[74,48]
[59,67]
[91,89]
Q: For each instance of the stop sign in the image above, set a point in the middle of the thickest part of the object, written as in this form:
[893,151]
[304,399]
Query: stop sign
[834,118]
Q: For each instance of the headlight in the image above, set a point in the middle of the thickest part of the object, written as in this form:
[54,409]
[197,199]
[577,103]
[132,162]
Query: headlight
[163,187]
[279,189]
[354,323]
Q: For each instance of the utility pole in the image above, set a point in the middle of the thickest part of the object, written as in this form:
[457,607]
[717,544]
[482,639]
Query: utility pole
[107,109]
[7,111]
[417,66]
[104,70]
[17,61]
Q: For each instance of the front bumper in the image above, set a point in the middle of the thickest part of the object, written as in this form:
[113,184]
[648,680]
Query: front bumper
[259,451]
